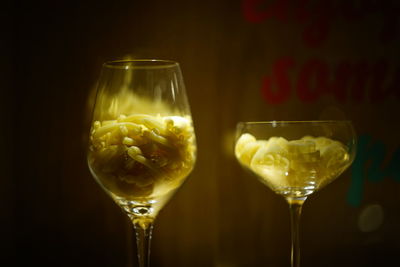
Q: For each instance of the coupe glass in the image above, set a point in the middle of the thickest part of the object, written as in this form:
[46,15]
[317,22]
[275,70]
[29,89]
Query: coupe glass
[142,142]
[295,159]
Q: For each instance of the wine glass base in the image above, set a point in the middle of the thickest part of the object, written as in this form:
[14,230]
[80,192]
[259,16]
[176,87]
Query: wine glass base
[295,192]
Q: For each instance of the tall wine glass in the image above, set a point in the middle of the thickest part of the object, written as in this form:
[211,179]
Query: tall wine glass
[295,159]
[142,143]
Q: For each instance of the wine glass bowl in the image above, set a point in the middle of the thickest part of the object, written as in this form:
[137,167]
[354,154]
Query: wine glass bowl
[295,159]
[142,142]
[141,159]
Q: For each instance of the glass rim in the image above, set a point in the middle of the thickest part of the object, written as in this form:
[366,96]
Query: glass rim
[126,64]
[292,122]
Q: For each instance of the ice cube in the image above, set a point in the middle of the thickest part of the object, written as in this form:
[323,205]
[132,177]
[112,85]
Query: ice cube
[305,162]
[271,155]
[278,144]
[297,147]
[322,142]
[308,137]
[334,155]
[241,142]
[247,151]
[271,167]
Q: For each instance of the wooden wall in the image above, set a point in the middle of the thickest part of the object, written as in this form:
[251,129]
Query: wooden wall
[241,60]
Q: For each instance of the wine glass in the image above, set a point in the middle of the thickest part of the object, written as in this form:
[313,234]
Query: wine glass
[142,142]
[295,159]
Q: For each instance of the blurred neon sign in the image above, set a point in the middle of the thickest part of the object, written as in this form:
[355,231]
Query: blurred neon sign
[369,165]
[315,78]
[347,80]
[318,16]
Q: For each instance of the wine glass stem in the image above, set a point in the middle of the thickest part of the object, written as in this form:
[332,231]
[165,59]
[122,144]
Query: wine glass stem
[143,231]
[295,206]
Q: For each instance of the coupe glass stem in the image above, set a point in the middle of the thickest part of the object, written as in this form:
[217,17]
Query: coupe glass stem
[143,232]
[295,206]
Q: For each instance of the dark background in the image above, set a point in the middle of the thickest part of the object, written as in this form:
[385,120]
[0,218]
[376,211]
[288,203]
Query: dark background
[53,212]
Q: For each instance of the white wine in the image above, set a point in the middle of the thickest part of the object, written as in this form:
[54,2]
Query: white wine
[141,159]
[293,168]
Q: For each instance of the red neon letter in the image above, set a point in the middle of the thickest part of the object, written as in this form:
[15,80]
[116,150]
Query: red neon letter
[280,77]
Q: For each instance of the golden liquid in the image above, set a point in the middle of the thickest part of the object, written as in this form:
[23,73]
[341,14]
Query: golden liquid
[141,159]
[293,168]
